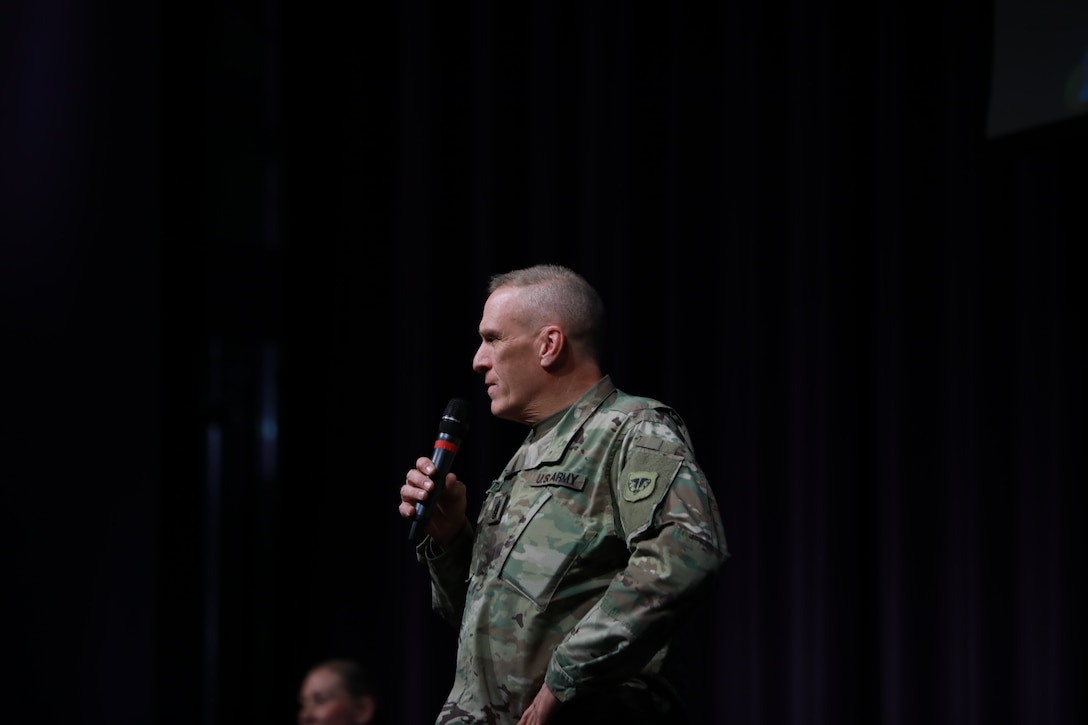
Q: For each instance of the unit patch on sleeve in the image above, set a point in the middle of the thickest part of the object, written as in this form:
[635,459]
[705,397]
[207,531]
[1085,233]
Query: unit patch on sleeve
[640,484]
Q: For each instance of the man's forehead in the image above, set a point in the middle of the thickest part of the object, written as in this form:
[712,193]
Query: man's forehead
[502,309]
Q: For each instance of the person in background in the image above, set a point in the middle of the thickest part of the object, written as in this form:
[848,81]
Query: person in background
[591,545]
[337,692]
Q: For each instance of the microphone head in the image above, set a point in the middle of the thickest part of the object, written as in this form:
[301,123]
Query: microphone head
[455,419]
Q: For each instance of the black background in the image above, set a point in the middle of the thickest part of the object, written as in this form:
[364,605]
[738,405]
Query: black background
[246,246]
[1040,64]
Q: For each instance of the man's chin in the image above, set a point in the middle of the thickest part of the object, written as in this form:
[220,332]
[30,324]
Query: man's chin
[501,411]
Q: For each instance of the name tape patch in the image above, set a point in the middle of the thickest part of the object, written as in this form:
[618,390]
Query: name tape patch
[559,478]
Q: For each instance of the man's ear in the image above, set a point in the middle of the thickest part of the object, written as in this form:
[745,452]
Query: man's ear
[552,345]
[364,709]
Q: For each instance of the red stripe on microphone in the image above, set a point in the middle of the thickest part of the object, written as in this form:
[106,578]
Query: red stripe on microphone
[445,444]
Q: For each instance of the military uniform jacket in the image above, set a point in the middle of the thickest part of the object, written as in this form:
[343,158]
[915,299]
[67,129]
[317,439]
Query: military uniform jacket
[587,550]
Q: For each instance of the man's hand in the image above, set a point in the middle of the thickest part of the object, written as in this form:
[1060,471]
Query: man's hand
[541,709]
[448,515]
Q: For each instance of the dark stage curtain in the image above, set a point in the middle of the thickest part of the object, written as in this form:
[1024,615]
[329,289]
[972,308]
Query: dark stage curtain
[868,313]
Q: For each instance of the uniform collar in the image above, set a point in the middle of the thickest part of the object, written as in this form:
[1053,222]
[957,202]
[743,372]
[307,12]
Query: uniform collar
[549,439]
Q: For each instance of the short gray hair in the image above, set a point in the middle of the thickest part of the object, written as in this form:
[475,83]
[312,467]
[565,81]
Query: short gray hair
[565,295]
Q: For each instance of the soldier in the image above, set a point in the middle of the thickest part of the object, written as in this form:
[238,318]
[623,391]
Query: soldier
[337,692]
[593,542]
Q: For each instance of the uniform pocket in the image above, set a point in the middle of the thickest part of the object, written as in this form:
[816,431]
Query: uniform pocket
[549,542]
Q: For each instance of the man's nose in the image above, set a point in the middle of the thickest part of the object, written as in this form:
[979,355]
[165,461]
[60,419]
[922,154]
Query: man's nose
[479,361]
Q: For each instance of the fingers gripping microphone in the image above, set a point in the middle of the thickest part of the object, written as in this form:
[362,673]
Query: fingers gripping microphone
[451,431]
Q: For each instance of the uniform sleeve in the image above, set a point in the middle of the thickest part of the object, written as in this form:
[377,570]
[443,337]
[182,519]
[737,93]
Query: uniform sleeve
[670,520]
[448,569]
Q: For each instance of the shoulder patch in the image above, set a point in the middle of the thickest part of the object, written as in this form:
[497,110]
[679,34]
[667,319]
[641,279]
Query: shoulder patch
[640,484]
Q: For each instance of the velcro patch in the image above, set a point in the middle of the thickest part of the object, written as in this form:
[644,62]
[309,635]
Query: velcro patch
[643,484]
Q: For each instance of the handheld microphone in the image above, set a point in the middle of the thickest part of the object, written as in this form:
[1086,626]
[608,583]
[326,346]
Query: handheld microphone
[452,429]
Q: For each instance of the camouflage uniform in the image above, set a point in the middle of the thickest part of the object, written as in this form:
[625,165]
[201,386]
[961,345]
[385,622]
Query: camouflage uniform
[587,548]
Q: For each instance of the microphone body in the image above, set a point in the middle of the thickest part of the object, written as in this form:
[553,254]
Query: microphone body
[452,429]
